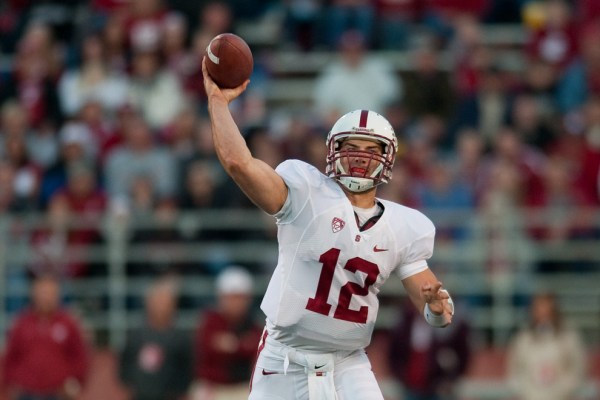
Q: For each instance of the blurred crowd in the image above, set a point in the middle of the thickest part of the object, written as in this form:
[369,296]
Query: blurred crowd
[103,112]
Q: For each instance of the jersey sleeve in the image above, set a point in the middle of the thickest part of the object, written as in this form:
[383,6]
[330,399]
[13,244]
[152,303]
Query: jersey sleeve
[420,250]
[295,174]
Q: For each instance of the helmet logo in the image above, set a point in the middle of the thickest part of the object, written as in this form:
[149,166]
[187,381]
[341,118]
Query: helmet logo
[337,224]
[363,129]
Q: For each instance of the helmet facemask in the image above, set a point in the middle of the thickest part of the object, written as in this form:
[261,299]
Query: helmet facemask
[379,131]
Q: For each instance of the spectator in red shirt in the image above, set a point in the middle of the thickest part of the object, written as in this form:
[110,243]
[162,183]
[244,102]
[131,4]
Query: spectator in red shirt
[428,363]
[556,41]
[227,339]
[46,355]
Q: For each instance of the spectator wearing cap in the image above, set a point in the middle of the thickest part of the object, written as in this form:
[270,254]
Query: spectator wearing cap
[227,339]
[77,145]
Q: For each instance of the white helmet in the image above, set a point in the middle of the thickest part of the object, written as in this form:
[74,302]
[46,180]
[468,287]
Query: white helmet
[366,125]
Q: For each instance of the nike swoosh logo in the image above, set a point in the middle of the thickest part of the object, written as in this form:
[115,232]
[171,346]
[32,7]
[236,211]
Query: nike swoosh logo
[269,372]
[320,366]
[377,250]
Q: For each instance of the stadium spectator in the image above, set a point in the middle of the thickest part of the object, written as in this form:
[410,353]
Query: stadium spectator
[356,15]
[76,145]
[589,158]
[428,89]
[46,355]
[13,15]
[74,214]
[471,162]
[546,358]
[354,81]
[36,67]
[199,187]
[396,20]
[487,110]
[114,38]
[444,17]
[9,200]
[103,127]
[139,156]
[508,147]
[501,249]
[180,134]
[154,90]
[302,23]
[42,145]
[227,338]
[155,235]
[440,192]
[178,59]
[470,56]
[92,80]
[555,41]
[27,179]
[581,80]
[564,213]
[533,124]
[143,23]
[216,17]
[156,363]
[428,363]
[539,80]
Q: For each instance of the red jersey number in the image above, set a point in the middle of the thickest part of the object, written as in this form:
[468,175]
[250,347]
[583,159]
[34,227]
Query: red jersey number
[342,311]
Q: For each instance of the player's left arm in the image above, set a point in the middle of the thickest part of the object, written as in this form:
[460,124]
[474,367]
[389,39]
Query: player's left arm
[424,289]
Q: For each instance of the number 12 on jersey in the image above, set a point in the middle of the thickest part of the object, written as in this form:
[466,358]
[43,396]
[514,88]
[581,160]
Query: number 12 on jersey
[342,311]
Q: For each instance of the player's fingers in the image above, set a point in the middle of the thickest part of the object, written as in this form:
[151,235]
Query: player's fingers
[448,308]
[231,94]
[442,294]
[436,287]
[204,71]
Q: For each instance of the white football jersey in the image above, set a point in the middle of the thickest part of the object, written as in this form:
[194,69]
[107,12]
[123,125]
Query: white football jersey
[323,292]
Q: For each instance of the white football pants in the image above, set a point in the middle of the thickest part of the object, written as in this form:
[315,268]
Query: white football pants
[282,373]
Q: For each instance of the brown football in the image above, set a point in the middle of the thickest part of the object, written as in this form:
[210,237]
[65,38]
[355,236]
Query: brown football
[229,60]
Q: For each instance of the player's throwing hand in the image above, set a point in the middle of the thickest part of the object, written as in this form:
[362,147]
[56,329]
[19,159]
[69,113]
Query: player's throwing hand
[213,91]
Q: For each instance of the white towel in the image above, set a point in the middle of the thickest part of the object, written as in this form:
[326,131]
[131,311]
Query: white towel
[319,368]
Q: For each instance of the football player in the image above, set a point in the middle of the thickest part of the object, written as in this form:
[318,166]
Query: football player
[338,244]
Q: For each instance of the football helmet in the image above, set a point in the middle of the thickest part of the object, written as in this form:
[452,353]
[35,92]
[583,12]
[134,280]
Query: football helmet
[365,125]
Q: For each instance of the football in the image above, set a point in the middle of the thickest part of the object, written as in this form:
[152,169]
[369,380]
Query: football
[229,60]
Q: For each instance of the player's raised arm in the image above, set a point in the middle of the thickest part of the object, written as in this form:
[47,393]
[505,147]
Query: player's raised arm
[256,178]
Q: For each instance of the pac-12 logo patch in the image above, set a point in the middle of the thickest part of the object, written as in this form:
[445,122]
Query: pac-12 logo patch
[337,224]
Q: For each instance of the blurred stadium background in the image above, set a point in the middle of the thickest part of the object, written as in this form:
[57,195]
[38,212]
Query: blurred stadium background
[495,103]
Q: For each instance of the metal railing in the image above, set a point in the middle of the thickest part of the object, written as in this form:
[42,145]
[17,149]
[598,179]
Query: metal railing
[109,301]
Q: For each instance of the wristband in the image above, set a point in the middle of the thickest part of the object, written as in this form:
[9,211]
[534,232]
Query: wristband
[437,320]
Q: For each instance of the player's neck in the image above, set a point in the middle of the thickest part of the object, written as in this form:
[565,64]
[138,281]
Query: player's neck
[363,199]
